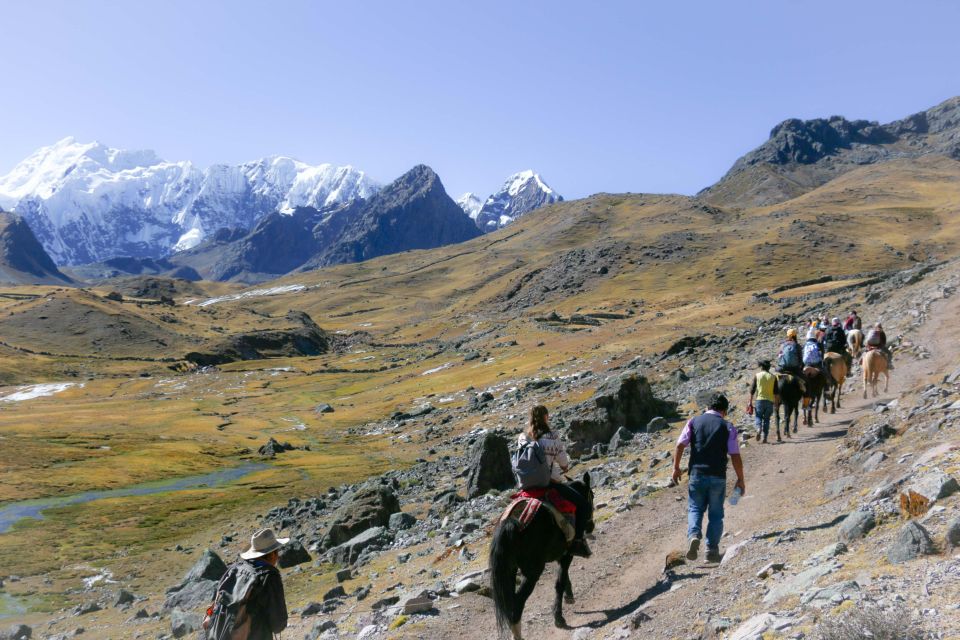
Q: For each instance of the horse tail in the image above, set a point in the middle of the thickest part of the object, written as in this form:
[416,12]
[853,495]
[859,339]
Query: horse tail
[503,571]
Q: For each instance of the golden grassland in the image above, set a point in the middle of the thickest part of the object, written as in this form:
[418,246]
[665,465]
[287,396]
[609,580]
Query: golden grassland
[134,421]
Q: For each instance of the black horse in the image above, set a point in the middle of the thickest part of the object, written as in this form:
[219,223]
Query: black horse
[791,395]
[816,382]
[529,550]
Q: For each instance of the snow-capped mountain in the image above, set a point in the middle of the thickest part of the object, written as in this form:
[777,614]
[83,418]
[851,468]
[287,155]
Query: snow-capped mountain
[471,204]
[88,202]
[521,193]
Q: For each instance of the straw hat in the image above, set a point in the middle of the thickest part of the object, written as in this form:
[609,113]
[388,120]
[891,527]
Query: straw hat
[262,543]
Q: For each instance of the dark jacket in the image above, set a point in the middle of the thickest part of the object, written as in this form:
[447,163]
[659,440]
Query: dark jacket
[267,606]
[708,446]
[835,339]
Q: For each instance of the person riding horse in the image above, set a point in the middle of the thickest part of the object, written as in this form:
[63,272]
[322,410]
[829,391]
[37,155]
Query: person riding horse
[852,322]
[835,341]
[877,339]
[559,462]
[790,358]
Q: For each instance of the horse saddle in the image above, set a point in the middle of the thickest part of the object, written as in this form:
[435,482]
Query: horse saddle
[525,505]
[812,372]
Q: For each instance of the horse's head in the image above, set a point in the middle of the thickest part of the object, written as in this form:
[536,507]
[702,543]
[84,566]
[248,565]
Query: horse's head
[583,487]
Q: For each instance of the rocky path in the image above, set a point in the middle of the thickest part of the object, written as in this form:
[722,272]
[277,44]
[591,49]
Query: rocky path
[785,490]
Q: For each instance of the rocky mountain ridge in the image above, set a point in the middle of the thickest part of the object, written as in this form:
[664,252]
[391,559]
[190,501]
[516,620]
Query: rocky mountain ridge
[801,155]
[412,212]
[22,258]
[521,193]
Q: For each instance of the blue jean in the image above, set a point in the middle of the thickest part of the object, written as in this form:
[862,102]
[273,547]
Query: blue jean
[706,496]
[762,412]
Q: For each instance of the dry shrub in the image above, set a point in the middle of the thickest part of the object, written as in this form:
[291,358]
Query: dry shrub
[871,623]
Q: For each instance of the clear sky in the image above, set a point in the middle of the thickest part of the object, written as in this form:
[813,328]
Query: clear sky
[595,95]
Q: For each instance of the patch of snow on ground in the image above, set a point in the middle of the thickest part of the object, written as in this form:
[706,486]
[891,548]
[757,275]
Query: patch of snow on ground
[38,391]
[436,369]
[253,293]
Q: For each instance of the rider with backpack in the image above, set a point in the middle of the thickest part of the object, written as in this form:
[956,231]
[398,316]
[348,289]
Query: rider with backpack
[790,359]
[835,341]
[249,603]
[540,462]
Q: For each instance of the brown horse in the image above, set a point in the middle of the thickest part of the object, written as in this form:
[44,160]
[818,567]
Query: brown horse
[855,343]
[875,363]
[837,367]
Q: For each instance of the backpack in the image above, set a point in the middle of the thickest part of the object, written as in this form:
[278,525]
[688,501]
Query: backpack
[811,354]
[530,466]
[790,357]
[835,340]
[228,618]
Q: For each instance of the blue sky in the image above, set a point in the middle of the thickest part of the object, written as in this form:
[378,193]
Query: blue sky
[596,96]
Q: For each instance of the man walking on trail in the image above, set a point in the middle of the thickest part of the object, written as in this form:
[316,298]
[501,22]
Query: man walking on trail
[765,389]
[711,440]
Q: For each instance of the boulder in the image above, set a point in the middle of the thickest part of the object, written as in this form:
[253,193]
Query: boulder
[620,438]
[657,423]
[349,551]
[371,506]
[401,520]
[873,462]
[838,486]
[292,554]
[208,567]
[323,408]
[489,466]
[830,551]
[626,401]
[934,485]
[831,595]
[191,595]
[912,542]
[953,533]
[16,632]
[856,525]
[410,604]
[756,627]
[344,574]
[336,592]
[272,448]
[320,628]
[798,583]
[124,597]
[183,622]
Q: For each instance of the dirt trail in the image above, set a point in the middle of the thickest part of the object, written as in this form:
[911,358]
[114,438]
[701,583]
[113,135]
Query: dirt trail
[784,485]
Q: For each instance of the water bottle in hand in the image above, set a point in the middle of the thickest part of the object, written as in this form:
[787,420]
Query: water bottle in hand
[735,496]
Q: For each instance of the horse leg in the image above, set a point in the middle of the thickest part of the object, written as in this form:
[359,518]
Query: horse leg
[886,380]
[563,583]
[866,381]
[531,574]
[776,412]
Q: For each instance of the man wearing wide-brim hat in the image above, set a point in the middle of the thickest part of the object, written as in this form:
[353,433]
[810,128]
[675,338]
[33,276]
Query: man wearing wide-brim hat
[266,606]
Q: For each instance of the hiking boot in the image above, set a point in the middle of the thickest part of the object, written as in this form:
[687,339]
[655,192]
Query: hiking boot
[758,436]
[579,547]
[694,548]
[764,441]
[713,554]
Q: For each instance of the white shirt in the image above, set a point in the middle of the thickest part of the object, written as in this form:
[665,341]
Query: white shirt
[556,450]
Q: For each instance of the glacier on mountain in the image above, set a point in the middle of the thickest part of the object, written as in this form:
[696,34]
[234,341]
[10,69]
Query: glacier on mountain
[521,193]
[87,202]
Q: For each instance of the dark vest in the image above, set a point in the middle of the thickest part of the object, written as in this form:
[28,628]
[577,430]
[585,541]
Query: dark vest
[708,446]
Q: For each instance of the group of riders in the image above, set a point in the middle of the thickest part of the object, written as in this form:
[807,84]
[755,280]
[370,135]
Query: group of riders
[823,338]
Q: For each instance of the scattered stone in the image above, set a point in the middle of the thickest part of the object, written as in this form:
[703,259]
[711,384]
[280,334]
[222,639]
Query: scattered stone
[84,609]
[16,632]
[323,408]
[183,622]
[856,526]
[371,506]
[489,466]
[337,592]
[401,520]
[838,486]
[312,609]
[349,552]
[831,595]
[912,541]
[873,462]
[770,569]
[621,437]
[198,585]
[758,625]
[208,567]
[830,551]
[382,603]
[798,583]
[953,533]
[272,448]
[292,554]
[656,424]
[934,485]
[344,574]
[124,597]
[320,628]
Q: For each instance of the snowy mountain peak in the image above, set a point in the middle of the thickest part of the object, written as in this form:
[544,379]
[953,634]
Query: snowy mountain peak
[521,193]
[471,204]
[88,202]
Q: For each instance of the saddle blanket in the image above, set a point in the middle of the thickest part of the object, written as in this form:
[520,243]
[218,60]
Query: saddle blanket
[525,505]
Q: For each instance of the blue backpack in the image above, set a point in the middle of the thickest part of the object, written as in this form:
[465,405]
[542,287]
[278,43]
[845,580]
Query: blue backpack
[790,357]
[811,354]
